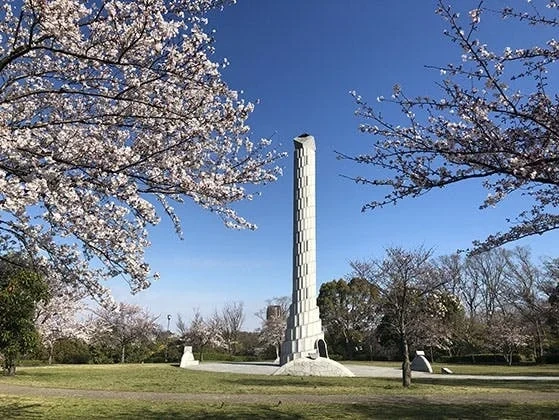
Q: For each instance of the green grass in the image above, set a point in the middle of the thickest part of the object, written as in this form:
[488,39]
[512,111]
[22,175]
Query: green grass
[426,398]
[166,378]
[81,408]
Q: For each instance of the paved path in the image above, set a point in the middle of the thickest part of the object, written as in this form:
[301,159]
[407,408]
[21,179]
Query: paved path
[256,368]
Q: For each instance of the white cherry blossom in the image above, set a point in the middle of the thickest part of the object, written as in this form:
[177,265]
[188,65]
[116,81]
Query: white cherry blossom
[496,120]
[110,110]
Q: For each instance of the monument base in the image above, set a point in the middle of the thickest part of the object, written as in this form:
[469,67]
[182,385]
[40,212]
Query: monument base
[320,366]
[187,363]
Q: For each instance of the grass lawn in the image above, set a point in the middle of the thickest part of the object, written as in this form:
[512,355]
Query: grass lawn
[79,408]
[424,399]
[167,378]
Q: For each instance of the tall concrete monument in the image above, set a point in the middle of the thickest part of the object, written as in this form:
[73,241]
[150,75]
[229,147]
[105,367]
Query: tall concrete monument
[304,327]
[304,351]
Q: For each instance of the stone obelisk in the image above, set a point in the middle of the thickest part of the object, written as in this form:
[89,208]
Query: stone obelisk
[304,327]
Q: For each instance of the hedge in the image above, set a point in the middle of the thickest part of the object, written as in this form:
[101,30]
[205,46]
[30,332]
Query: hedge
[481,359]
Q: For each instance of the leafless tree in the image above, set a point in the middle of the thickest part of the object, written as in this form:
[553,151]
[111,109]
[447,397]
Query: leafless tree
[404,278]
[228,323]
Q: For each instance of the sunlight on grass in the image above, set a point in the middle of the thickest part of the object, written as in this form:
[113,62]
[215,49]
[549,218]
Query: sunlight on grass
[166,378]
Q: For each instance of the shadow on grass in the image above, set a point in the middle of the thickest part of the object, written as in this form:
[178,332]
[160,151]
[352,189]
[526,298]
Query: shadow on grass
[291,381]
[20,410]
[353,411]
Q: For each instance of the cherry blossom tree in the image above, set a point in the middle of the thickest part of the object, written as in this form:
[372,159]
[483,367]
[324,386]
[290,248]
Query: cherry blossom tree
[120,329]
[227,324]
[58,318]
[495,120]
[274,322]
[112,111]
[200,334]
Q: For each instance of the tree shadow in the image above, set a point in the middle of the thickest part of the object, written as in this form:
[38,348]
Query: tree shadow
[281,381]
[19,410]
[419,410]
[246,411]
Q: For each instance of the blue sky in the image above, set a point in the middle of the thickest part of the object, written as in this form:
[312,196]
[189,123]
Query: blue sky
[300,59]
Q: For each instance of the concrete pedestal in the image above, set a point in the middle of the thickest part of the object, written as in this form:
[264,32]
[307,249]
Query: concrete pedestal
[187,358]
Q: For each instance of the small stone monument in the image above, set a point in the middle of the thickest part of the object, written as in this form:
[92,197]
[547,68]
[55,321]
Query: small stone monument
[420,363]
[187,358]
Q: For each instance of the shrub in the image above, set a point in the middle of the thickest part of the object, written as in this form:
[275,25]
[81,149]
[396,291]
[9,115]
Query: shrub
[72,351]
[550,358]
[481,359]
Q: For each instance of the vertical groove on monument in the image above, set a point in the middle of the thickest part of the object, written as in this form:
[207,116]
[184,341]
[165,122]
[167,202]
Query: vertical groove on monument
[304,326]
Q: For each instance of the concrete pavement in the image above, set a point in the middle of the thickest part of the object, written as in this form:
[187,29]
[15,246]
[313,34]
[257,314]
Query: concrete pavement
[263,368]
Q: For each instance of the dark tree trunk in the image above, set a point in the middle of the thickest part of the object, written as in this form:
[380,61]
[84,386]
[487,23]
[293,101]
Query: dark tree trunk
[10,370]
[540,341]
[432,358]
[51,351]
[348,349]
[406,365]
[9,366]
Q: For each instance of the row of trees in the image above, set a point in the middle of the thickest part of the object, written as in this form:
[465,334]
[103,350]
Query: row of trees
[499,301]
[56,325]
[221,330]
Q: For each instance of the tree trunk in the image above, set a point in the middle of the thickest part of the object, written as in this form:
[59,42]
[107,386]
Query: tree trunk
[10,370]
[9,366]
[540,341]
[406,365]
[348,350]
[122,356]
[51,351]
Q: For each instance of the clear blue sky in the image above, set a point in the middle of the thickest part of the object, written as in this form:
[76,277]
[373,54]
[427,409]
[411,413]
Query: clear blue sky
[300,59]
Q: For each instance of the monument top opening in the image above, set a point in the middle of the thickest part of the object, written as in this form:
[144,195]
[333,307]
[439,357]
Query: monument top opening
[304,140]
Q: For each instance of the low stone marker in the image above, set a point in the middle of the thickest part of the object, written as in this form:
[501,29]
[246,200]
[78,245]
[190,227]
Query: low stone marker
[446,371]
[420,363]
[187,358]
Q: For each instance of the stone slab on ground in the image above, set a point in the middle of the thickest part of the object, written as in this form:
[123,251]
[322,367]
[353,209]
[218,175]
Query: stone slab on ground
[421,364]
[320,366]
